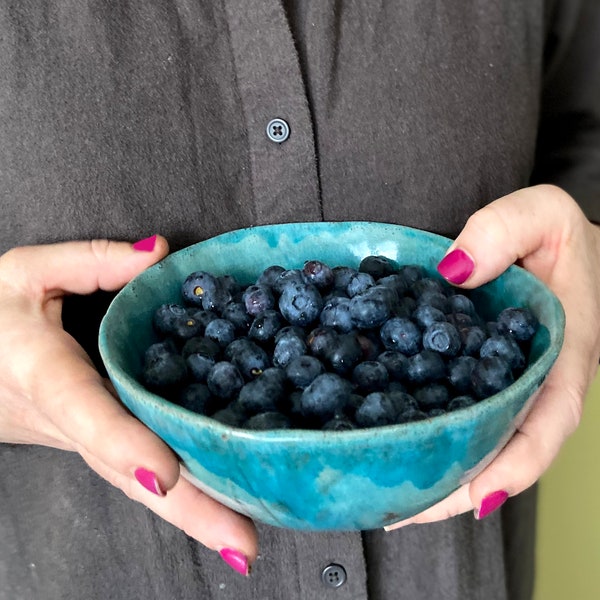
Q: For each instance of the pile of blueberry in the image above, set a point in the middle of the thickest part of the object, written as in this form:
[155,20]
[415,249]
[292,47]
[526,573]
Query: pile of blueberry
[331,348]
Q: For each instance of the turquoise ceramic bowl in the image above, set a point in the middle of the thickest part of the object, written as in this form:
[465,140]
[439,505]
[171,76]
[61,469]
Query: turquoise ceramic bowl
[316,480]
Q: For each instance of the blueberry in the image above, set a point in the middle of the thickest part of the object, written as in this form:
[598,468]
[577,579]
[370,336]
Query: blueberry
[336,314]
[401,334]
[230,416]
[199,366]
[402,400]
[157,350]
[359,283]
[491,375]
[412,414]
[427,285]
[224,380]
[425,366]
[320,339]
[197,398]
[196,285]
[201,345]
[325,397]
[236,313]
[436,412]
[411,273]
[200,355]
[472,338]
[318,274]
[435,299]
[257,299]
[339,423]
[378,266]
[270,275]
[300,304]
[220,331]
[506,347]
[370,376]
[378,409]
[287,348]
[425,314]
[205,290]
[459,372]
[520,323]
[372,308]
[442,337]
[204,317]
[395,386]
[290,331]
[463,401]
[264,393]
[267,421]
[343,353]
[229,285]
[459,303]
[175,320]
[461,320]
[370,343]
[303,370]
[432,395]
[405,307]
[265,326]
[165,373]
[248,357]
[395,282]
[342,276]
[287,277]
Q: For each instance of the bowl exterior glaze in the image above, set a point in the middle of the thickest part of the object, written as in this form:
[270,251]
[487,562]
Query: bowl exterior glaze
[315,480]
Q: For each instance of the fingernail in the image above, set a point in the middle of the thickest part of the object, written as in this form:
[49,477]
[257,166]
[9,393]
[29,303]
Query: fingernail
[145,245]
[456,266]
[149,480]
[236,560]
[491,503]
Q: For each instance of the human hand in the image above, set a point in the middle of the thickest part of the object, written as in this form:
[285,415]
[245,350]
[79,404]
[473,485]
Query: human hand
[50,393]
[542,229]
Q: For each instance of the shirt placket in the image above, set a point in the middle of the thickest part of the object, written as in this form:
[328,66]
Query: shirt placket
[281,145]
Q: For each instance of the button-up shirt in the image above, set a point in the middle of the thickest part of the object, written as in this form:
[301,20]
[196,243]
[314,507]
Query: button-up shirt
[188,118]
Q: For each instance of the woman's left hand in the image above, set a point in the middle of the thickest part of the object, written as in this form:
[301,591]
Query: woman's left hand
[542,229]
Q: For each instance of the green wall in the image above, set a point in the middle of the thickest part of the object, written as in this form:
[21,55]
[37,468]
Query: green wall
[568,558]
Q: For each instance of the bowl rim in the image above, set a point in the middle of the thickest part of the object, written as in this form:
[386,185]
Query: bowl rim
[532,376]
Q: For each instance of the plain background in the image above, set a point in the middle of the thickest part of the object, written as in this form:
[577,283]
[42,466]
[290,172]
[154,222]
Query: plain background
[568,559]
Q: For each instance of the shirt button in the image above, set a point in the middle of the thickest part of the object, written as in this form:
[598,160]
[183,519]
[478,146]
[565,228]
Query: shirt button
[278,130]
[333,575]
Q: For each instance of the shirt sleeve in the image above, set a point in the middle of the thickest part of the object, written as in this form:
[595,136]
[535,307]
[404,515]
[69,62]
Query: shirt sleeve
[569,136]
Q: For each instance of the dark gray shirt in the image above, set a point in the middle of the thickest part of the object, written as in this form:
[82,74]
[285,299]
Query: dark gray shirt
[122,119]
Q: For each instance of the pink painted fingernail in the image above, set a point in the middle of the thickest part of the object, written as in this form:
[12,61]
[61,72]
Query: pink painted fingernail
[236,560]
[491,503]
[456,266]
[149,480]
[145,245]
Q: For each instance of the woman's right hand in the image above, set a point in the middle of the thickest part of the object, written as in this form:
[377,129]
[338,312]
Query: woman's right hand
[50,393]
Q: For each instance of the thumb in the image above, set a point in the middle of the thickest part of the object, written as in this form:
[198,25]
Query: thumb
[81,267]
[527,226]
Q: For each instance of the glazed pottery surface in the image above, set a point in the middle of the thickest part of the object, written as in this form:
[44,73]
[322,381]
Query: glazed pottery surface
[316,480]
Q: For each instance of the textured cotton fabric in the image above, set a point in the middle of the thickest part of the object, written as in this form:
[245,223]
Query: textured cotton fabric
[123,119]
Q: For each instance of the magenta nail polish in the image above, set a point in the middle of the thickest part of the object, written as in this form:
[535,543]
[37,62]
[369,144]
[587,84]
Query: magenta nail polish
[456,267]
[236,560]
[145,245]
[491,503]
[149,480]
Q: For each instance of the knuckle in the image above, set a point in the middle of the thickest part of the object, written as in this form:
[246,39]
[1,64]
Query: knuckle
[100,249]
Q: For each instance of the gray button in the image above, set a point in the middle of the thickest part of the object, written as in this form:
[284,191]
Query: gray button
[278,130]
[333,575]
